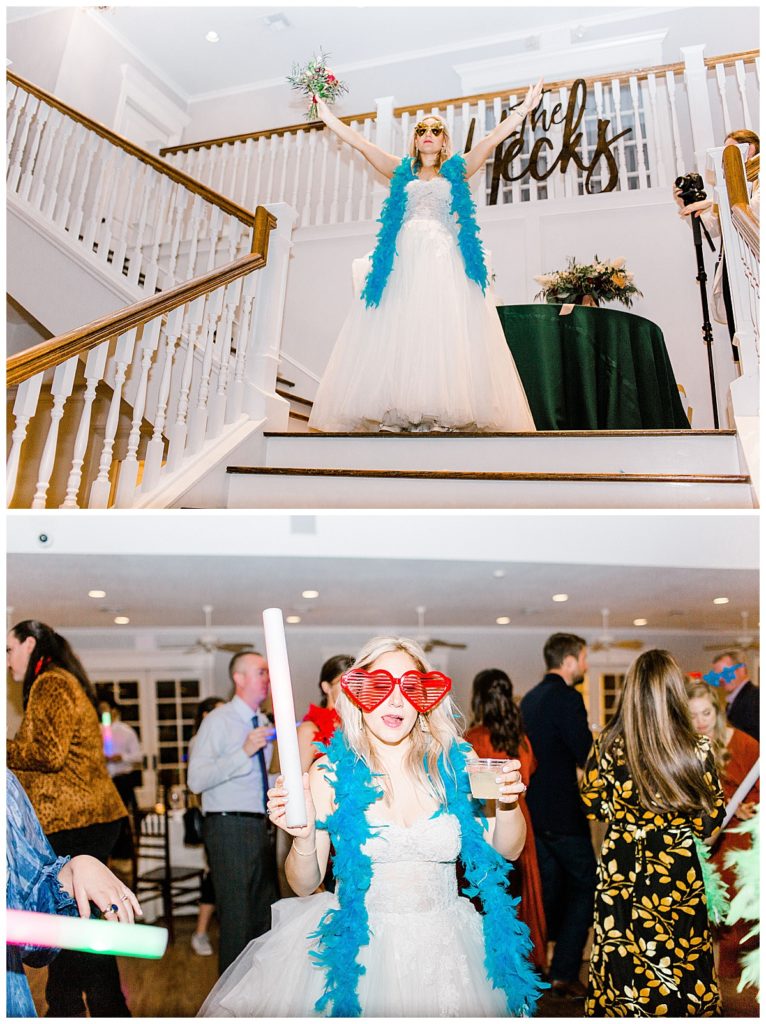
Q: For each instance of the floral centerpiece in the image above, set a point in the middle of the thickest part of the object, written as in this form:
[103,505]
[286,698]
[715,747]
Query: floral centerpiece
[589,283]
[316,79]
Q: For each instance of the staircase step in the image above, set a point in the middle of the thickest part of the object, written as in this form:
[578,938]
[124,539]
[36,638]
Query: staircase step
[592,452]
[285,382]
[295,398]
[293,487]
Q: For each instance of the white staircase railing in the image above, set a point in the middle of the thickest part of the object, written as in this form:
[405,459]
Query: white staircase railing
[674,113]
[141,218]
[199,356]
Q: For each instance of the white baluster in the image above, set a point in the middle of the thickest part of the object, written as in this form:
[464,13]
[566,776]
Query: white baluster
[299,140]
[367,179]
[218,158]
[94,372]
[334,205]
[237,389]
[678,152]
[320,215]
[640,157]
[150,194]
[105,163]
[310,178]
[123,357]
[42,180]
[244,196]
[180,201]
[14,107]
[269,195]
[26,120]
[126,486]
[224,341]
[465,124]
[352,157]
[199,414]
[720,77]
[622,162]
[83,175]
[30,165]
[49,197]
[61,389]
[155,449]
[24,408]
[260,150]
[287,145]
[77,141]
[178,432]
[739,69]
[158,228]
[657,134]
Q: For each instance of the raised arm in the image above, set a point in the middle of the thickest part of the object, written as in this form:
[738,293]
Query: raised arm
[476,157]
[385,163]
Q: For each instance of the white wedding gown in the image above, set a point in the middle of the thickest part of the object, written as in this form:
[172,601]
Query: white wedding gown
[432,355]
[425,957]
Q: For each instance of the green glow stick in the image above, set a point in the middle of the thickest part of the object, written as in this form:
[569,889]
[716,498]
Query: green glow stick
[56,931]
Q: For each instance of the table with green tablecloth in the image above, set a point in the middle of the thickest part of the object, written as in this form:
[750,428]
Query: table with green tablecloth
[593,369]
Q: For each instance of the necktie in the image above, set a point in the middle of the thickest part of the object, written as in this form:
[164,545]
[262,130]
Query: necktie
[262,762]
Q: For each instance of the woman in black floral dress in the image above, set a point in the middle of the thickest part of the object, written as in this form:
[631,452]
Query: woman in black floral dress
[653,779]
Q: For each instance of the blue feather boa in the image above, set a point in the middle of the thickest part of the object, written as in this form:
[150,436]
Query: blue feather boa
[392,215]
[343,931]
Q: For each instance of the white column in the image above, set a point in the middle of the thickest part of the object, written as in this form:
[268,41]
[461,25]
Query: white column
[698,98]
[384,137]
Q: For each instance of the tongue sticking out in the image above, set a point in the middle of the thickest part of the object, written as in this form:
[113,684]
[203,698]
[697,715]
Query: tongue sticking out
[393,721]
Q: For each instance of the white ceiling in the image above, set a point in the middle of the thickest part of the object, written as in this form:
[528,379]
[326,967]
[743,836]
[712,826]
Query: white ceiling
[374,571]
[171,40]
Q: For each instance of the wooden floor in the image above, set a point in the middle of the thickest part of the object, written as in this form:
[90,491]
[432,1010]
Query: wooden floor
[177,985]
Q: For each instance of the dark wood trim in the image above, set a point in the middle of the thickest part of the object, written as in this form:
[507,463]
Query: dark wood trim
[407,474]
[444,435]
[640,73]
[246,216]
[287,383]
[50,353]
[295,398]
[739,200]
[298,416]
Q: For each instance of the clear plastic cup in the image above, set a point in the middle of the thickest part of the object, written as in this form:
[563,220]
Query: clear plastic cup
[482,775]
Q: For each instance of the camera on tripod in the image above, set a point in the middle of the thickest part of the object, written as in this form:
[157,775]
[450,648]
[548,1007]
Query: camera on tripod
[690,188]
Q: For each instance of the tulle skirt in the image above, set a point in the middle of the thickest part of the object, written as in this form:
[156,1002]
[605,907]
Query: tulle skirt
[431,356]
[419,964]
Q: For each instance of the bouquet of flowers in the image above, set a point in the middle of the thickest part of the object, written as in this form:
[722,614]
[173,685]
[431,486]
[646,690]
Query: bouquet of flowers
[316,79]
[599,281]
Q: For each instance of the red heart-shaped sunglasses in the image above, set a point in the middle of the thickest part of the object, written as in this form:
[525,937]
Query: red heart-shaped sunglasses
[368,690]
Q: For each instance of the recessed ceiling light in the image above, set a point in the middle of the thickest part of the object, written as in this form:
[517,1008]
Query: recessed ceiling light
[499,574]
[292,619]
[640,622]
[213,37]
[560,597]
[121,620]
[309,594]
[502,620]
[96,593]
[720,600]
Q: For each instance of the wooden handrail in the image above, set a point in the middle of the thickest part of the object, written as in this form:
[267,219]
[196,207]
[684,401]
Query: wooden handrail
[246,216]
[640,73]
[57,350]
[739,201]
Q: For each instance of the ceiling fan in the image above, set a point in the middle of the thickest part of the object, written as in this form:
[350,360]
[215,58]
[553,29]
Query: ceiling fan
[607,642]
[745,640]
[429,642]
[208,641]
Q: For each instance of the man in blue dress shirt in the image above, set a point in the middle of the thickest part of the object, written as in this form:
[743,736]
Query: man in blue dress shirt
[228,767]
[556,722]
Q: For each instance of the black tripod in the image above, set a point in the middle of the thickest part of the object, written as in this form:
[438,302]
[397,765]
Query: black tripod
[707,328]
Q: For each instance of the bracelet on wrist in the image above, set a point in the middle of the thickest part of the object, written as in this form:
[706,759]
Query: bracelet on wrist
[301,853]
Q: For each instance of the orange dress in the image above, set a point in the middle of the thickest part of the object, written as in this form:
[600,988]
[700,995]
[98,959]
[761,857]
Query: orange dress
[531,906]
[744,751]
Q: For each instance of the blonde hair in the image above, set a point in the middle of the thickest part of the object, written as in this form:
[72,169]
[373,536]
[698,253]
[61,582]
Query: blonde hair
[661,747]
[444,153]
[697,689]
[433,734]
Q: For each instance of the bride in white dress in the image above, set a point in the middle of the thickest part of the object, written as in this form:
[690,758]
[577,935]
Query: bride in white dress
[422,349]
[396,939]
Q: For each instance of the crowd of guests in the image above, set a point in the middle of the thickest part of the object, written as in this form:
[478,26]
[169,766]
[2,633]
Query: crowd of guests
[660,775]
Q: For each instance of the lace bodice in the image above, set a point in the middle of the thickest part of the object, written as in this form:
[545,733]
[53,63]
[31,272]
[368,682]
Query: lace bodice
[429,200]
[414,868]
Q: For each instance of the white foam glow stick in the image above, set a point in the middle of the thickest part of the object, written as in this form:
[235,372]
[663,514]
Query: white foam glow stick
[284,715]
[57,931]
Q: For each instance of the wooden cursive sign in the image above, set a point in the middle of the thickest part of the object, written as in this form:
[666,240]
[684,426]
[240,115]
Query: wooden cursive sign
[570,145]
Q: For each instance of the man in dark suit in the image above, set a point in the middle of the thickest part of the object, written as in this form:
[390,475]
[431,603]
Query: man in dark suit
[557,725]
[743,697]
